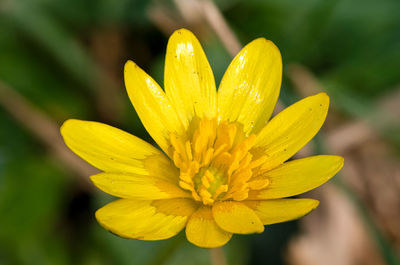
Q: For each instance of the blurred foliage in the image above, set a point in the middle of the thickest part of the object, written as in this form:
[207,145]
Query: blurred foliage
[46,54]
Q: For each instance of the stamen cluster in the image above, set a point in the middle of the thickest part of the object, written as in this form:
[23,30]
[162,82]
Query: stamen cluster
[215,161]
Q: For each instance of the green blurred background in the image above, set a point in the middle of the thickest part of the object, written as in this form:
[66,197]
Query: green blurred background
[63,59]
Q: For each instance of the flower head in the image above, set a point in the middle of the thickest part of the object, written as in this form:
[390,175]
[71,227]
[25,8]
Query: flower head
[222,166]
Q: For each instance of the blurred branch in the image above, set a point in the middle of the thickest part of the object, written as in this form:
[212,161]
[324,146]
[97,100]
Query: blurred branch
[385,247]
[190,11]
[107,47]
[321,243]
[45,129]
[349,136]
[165,21]
[303,80]
[218,23]
[194,12]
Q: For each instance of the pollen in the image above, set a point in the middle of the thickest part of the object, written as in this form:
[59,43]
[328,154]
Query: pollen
[216,162]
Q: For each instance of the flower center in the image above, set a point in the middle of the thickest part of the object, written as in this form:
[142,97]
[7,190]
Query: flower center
[210,183]
[215,161]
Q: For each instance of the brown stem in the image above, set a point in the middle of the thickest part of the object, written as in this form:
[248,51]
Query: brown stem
[45,129]
[218,23]
[217,256]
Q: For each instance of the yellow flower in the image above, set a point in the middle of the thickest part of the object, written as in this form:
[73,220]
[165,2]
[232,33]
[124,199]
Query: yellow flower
[221,169]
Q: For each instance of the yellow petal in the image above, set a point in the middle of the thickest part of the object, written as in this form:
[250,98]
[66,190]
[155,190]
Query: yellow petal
[138,186]
[298,176]
[188,78]
[108,148]
[291,129]
[250,87]
[202,230]
[146,220]
[152,106]
[235,217]
[282,210]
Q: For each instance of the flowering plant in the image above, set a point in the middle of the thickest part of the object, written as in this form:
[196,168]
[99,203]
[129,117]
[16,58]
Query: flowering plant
[222,167]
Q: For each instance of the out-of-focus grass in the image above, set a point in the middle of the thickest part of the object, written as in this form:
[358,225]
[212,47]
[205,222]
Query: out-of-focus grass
[46,55]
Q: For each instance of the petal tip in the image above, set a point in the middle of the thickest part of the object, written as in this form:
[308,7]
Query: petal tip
[95,179]
[128,64]
[129,67]
[182,31]
[266,44]
[261,40]
[323,97]
[99,217]
[264,41]
[180,36]
[338,161]
[67,125]
[341,159]
[313,204]
[260,229]
[64,125]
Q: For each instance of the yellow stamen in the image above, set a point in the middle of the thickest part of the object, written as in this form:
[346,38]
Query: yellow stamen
[216,162]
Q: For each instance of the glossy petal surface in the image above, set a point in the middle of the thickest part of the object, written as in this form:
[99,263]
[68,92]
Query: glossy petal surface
[291,129]
[250,87]
[138,186]
[281,210]
[146,220]
[151,104]
[298,176]
[107,148]
[188,78]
